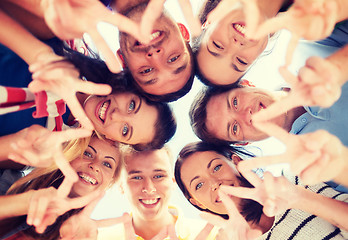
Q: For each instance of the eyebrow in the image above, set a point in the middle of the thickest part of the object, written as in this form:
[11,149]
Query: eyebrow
[92,148]
[208,166]
[234,66]
[133,172]
[110,158]
[180,69]
[213,53]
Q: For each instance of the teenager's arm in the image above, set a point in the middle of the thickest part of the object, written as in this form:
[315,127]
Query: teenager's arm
[333,211]
[340,59]
[15,205]
[21,41]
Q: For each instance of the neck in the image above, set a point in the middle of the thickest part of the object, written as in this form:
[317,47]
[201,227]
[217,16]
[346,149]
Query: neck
[264,225]
[148,229]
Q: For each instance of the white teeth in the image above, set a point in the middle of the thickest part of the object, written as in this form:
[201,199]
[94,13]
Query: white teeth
[155,35]
[102,110]
[88,178]
[150,201]
[239,28]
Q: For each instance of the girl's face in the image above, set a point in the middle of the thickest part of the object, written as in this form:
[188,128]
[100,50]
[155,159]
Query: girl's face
[96,168]
[203,173]
[122,117]
[225,53]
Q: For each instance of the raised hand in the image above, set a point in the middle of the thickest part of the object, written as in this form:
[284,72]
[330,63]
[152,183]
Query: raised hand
[69,19]
[309,19]
[49,203]
[314,157]
[276,194]
[62,78]
[236,227]
[318,84]
[40,147]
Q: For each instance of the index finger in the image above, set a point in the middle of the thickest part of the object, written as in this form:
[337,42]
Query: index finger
[241,192]
[274,130]
[128,227]
[152,12]
[230,206]
[65,167]
[270,26]
[91,206]
[65,188]
[252,16]
[192,21]
[258,162]
[205,232]
[71,134]
[77,110]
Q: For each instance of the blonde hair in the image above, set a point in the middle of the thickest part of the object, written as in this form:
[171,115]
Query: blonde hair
[46,177]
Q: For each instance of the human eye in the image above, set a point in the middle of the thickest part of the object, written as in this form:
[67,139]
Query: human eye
[173,59]
[218,45]
[136,178]
[217,167]
[241,61]
[235,129]
[106,164]
[87,154]
[158,176]
[235,102]
[146,71]
[198,186]
[131,106]
[125,130]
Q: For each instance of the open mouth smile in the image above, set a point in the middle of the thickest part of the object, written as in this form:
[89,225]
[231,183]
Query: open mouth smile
[155,37]
[240,28]
[87,178]
[102,110]
[149,203]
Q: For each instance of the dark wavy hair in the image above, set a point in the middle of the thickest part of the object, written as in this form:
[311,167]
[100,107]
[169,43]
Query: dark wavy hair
[250,209]
[198,113]
[95,70]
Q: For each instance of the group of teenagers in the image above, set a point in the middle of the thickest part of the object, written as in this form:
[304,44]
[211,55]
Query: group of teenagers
[79,123]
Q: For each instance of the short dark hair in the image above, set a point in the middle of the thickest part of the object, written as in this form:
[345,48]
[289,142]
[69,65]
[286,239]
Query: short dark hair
[198,112]
[250,209]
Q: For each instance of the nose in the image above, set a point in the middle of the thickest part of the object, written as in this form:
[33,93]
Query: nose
[246,116]
[94,166]
[215,185]
[148,187]
[235,41]
[154,52]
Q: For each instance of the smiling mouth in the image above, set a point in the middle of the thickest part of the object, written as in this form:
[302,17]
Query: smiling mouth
[154,38]
[240,28]
[102,110]
[149,202]
[88,178]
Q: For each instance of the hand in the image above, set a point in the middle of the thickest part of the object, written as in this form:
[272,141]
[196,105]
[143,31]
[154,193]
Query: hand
[314,157]
[235,228]
[49,203]
[276,194]
[69,19]
[309,19]
[250,8]
[62,78]
[40,147]
[316,85]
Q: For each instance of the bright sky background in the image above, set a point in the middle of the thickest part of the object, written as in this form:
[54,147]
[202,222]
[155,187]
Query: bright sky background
[263,74]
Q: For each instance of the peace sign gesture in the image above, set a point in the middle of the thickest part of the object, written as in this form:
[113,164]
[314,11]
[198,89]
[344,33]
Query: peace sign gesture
[52,73]
[313,87]
[236,227]
[276,194]
[314,157]
[49,203]
[40,147]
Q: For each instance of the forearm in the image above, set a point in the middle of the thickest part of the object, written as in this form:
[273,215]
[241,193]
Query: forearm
[333,211]
[342,178]
[340,59]
[15,205]
[18,39]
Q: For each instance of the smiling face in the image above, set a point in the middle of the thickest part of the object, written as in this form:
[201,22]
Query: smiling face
[96,168]
[202,173]
[164,64]
[225,53]
[229,114]
[148,183]
[123,117]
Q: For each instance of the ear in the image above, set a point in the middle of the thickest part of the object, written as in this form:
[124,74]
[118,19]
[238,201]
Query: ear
[235,159]
[120,56]
[184,32]
[196,203]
